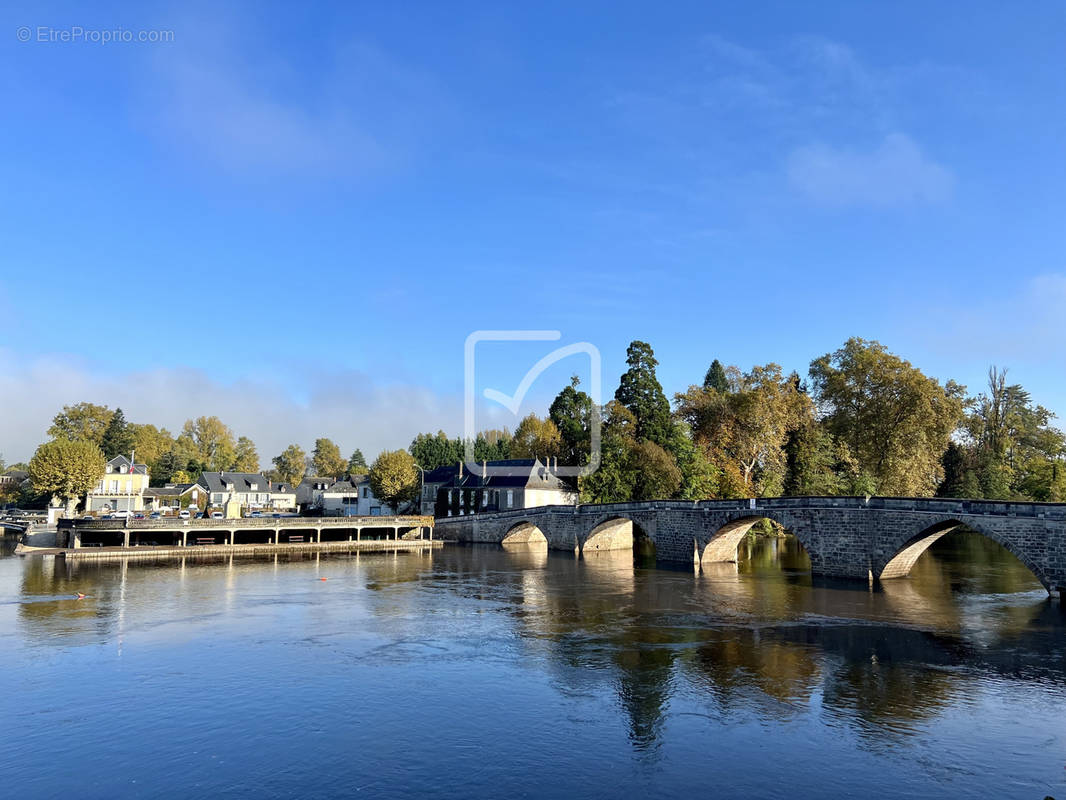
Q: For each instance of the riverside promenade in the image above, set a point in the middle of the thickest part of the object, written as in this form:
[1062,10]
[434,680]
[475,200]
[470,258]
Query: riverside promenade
[175,537]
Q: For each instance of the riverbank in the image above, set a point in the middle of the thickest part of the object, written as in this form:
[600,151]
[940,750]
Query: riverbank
[227,550]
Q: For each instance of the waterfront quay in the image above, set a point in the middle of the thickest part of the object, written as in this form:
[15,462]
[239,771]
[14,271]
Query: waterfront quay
[245,536]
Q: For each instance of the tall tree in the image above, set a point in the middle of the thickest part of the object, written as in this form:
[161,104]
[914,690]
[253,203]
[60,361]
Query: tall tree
[81,421]
[657,476]
[572,413]
[245,456]
[744,431]
[291,464]
[394,478]
[118,437]
[67,469]
[896,421]
[536,438]
[640,391]
[212,441]
[436,450]
[716,377]
[326,459]
[357,463]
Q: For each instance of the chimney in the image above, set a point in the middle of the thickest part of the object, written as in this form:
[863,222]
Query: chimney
[460,470]
[484,469]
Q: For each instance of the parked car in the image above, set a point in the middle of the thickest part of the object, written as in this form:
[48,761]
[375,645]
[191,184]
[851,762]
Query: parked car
[256,514]
[138,516]
[184,514]
[216,515]
[155,515]
[89,517]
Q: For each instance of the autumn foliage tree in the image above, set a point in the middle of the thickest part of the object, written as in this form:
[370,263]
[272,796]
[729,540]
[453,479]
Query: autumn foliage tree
[394,478]
[67,469]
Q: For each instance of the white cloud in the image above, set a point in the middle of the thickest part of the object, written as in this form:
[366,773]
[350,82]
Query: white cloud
[349,407]
[895,174]
[247,110]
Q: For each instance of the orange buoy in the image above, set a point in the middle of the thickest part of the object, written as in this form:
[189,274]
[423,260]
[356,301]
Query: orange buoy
[323,579]
[81,596]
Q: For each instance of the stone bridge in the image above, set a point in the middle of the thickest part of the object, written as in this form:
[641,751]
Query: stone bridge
[850,537]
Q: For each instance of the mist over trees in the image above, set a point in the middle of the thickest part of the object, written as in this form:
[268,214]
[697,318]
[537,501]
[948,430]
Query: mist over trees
[863,421]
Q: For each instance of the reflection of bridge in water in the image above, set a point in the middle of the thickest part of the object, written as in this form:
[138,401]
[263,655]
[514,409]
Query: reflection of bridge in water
[768,644]
[848,537]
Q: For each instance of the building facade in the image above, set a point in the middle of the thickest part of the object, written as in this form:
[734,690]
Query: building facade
[500,486]
[253,490]
[121,488]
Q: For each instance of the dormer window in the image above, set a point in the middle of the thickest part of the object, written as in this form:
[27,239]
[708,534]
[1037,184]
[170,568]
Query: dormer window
[255,487]
[109,469]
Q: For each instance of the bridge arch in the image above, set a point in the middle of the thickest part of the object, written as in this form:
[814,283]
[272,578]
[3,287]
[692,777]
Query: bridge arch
[911,548]
[524,532]
[612,532]
[723,543]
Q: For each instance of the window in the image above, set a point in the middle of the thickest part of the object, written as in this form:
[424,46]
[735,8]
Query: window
[114,487]
[255,487]
[510,498]
[366,492]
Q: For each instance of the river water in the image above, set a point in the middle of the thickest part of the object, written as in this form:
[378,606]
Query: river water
[479,672]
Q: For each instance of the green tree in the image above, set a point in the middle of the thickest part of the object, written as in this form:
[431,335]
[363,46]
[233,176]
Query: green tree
[536,438]
[640,391]
[656,474]
[245,456]
[394,478]
[291,464]
[572,412]
[326,459]
[81,421]
[492,445]
[118,438]
[896,421]
[615,479]
[699,477]
[431,451]
[212,442]
[1012,449]
[743,432]
[357,463]
[67,469]
[716,377]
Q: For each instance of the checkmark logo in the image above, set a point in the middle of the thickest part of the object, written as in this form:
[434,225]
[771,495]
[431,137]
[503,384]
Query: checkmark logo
[513,402]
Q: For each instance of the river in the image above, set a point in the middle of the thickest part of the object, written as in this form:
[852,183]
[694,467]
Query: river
[482,672]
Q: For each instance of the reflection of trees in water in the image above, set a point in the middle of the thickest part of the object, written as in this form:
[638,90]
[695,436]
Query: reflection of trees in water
[733,662]
[966,561]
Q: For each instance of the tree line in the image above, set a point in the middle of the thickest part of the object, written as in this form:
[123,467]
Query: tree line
[863,421]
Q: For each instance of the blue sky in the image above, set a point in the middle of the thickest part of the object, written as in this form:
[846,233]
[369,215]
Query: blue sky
[293,217]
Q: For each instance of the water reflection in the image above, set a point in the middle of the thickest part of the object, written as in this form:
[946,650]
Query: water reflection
[758,640]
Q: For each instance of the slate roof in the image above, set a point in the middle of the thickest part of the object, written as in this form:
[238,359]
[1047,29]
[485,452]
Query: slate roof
[514,473]
[121,465]
[351,484]
[242,481]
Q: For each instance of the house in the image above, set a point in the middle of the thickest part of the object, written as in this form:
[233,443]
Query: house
[120,489]
[432,481]
[14,476]
[252,490]
[503,485]
[309,492]
[353,497]
[174,497]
